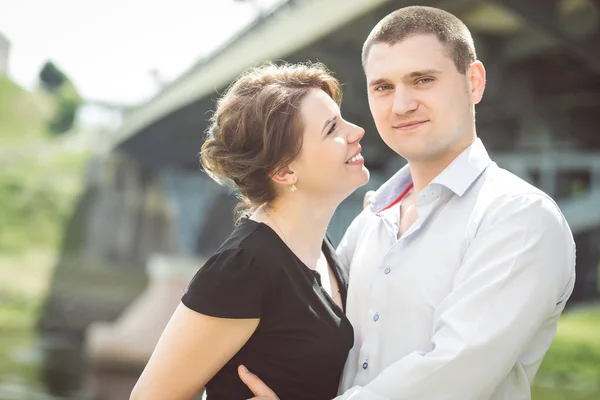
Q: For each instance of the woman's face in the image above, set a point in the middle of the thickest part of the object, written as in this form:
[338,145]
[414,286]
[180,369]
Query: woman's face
[329,163]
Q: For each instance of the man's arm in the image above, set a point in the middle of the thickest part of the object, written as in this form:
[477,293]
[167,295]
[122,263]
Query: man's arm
[347,246]
[518,266]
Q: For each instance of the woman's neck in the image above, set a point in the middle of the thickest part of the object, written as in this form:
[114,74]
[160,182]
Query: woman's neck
[300,222]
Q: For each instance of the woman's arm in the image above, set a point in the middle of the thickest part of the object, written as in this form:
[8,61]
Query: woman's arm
[191,350]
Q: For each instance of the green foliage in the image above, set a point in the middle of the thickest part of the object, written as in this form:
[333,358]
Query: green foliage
[68,102]
[51,77]
[36,198]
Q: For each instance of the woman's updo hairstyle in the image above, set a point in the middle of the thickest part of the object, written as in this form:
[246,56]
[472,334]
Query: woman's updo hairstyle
[257,128]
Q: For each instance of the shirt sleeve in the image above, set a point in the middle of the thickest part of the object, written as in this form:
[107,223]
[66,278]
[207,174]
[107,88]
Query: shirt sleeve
[517,272]
[346,247]
[229,285]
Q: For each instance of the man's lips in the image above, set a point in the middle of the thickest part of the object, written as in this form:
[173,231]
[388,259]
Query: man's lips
[409,124]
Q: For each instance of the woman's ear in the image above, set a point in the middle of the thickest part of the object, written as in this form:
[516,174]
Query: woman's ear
[284,176]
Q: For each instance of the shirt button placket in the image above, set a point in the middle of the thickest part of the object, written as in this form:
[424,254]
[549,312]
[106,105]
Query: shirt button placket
[377,301]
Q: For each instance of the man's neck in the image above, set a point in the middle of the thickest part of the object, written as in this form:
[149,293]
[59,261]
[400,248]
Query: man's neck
[301,221]
[424,172]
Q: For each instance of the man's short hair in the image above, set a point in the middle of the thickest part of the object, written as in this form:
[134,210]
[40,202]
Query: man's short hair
[419,20]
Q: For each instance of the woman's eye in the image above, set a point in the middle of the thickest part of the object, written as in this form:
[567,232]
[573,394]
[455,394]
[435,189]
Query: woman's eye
[332,129]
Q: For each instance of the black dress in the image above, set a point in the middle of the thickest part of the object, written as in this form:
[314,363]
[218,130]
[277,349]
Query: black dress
[303,338]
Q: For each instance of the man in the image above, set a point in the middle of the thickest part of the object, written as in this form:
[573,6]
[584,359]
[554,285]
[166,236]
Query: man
[458,269]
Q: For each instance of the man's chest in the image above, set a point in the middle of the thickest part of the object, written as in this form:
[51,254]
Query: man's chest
[407,278]
[408,214]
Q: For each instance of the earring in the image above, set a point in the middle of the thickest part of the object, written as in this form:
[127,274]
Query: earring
[293,188]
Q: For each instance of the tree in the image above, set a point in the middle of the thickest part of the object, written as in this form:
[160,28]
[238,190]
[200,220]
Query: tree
[51,77]
[68,102]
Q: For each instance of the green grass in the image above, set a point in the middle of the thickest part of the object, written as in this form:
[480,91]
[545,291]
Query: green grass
[571,368]
[23,115]
[542,393]
[36,198]
[39,178]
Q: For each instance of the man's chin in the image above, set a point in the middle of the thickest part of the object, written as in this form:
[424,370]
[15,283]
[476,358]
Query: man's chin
[418,154]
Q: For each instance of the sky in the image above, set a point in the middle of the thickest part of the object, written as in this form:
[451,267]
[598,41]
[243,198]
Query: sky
[108,48]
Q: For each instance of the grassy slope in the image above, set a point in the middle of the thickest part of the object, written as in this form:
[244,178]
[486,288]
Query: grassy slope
[571,368]
[23,115]
[38,178]
[39,181]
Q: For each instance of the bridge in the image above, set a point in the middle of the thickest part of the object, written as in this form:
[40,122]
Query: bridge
[538,117]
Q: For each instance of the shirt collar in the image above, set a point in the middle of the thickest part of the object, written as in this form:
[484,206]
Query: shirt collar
[458,176]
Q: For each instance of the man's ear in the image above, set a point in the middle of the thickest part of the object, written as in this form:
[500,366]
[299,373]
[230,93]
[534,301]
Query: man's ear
[477,79]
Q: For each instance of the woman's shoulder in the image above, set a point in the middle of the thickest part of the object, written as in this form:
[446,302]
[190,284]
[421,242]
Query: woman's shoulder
[235,274]
[248,236]
[249,249]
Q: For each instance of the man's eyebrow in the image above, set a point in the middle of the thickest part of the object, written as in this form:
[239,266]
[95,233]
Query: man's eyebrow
[376,82]
[410,75]
[416,74]
[329,121]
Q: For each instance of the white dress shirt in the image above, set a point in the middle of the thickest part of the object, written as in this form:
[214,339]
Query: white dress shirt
[466,303]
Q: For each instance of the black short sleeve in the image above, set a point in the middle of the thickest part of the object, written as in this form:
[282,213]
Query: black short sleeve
[229,285]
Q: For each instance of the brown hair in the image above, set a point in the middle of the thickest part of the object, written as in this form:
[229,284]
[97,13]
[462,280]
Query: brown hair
[256,128]
[414,20]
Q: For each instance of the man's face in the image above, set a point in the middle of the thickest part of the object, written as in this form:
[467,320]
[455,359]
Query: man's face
[422,106]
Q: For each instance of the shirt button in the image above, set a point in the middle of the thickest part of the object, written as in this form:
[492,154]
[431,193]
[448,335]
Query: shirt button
[387,270]
[376,317]
[365,365]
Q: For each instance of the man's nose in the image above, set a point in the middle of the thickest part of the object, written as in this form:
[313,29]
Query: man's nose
[404,102]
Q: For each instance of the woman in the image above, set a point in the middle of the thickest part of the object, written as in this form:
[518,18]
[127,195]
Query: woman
[273,296]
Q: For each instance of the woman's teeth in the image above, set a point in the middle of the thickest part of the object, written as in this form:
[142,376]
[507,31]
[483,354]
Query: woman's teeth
[354,159]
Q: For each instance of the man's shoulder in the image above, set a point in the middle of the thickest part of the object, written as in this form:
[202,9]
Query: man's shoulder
[505,191]
[503,184]
[362,220]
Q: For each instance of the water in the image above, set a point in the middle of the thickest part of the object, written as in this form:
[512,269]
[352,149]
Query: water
[20,366]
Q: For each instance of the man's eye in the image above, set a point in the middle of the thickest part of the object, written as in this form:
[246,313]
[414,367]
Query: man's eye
[424,80]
